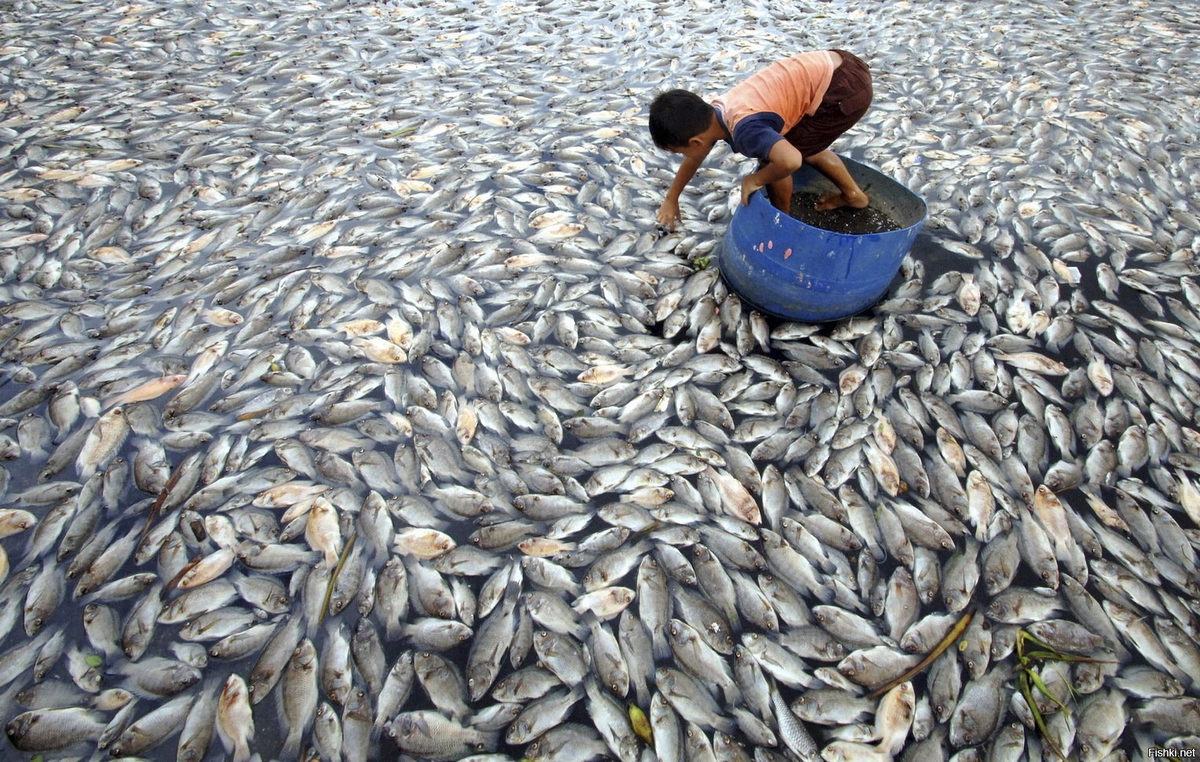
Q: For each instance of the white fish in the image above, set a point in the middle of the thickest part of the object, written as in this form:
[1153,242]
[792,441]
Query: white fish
[103,441]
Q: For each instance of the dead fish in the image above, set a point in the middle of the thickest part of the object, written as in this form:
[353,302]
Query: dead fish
[235,724]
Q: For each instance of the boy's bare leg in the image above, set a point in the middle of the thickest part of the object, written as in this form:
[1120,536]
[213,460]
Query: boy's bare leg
[780,193]
[849,194]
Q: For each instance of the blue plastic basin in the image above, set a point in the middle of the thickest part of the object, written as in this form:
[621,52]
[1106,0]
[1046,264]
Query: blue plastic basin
[792,270]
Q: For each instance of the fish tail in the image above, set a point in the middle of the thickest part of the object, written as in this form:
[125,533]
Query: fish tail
[291,746]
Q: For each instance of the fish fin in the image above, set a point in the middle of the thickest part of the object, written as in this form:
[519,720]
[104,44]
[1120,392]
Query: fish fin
[291,746]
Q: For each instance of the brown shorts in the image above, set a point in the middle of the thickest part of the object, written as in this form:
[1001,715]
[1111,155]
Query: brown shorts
[847,99]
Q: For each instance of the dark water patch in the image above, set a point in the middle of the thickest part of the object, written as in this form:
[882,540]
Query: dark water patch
[935,259]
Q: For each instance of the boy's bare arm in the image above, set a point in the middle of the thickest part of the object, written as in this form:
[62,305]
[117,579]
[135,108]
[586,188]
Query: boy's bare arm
[783,160]
[668,213]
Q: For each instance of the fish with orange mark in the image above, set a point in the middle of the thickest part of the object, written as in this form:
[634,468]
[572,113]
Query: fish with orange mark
[399,331]
[381,350]
[969,295]
[464,428]
[424,543]
[14,521]
[603,374]
[200,242]
[235,720]
[1189,497]
[110,255]
[1032,361]
[884,468]
[543,546]
[288,494]
[530,259]
[364,327]
[1110,518]
[548,219]
[650,496]
[894,718]
[222,317]
[981,504]
[1053,516]
[312,232]
[851,378]
[513,336]
[735,498]
[605,603]
[149,390]
[207,569]
[323,532]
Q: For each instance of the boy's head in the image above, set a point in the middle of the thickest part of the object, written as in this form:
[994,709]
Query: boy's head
[676,117]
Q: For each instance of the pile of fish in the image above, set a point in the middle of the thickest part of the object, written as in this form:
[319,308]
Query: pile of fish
[353,406]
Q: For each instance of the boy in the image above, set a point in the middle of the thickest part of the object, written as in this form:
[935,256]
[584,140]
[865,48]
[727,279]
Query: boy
[785,115]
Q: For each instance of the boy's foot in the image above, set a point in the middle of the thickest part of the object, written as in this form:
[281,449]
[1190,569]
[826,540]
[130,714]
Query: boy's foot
[834,200]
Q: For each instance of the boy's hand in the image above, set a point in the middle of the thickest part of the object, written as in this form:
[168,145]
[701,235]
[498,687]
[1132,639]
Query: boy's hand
[749,186]
[668,213]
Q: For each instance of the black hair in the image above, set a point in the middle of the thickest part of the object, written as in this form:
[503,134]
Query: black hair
[677,116]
